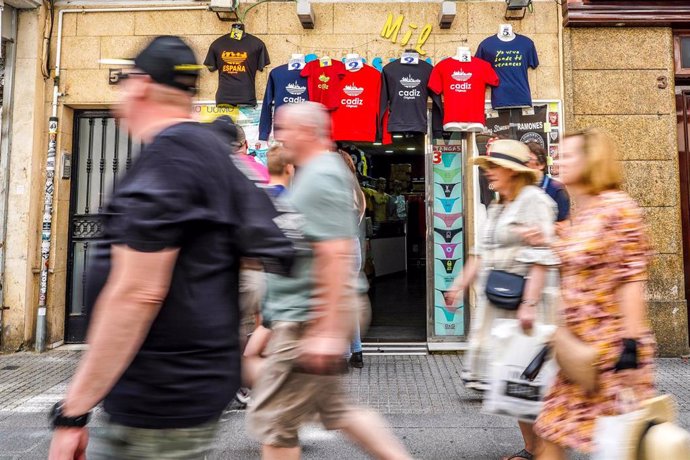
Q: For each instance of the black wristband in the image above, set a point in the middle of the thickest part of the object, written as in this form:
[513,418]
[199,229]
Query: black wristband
[59,420]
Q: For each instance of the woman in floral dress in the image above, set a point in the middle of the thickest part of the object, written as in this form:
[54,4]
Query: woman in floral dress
[604,256]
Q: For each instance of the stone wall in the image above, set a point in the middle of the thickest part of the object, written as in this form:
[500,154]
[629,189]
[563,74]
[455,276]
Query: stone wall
[28,152]
[611,82]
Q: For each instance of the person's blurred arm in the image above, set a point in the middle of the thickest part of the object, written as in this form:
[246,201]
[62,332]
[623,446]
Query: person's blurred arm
[327,338]
[631,298]
[333,271]
[463,282]
[130,301]
[534,286]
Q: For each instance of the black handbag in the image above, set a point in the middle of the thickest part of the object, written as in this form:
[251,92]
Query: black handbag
[505,290]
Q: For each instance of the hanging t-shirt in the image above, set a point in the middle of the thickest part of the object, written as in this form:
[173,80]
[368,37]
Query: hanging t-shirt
[405,93]
[462,85]
[357,115]
[237,62]
[284,86]
[325,82]
[511,61]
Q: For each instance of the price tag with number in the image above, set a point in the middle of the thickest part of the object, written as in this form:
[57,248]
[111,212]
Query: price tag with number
[236,32]
[410,58]
[296,64]
[325,62]
[354,63]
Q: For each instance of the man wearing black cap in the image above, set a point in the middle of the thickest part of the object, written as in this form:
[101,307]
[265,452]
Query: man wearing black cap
[162,286]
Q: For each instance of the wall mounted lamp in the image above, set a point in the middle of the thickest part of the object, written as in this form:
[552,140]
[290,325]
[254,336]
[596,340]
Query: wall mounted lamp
[515,9]
[305,13]
[447,15]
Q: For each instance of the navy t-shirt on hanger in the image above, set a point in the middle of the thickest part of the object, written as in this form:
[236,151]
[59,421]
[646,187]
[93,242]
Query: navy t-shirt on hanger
[285,86]
[511,60]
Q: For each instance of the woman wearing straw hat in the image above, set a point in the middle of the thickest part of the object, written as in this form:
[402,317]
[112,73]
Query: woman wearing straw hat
[521,205]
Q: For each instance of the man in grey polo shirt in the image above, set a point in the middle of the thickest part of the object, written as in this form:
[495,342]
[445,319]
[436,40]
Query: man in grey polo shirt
[311,312]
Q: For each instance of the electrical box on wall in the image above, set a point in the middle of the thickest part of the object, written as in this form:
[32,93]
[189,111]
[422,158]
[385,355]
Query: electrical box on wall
[66,166]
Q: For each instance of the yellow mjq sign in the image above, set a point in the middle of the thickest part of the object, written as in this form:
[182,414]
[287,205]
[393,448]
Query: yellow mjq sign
[391,30]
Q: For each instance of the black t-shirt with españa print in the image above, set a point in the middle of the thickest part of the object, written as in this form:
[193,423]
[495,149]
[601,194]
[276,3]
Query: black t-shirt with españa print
[237,62]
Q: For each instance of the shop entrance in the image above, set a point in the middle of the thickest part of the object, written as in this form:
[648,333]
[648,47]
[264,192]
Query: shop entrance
[393,180]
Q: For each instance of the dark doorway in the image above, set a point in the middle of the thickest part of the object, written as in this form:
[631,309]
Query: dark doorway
[393,180]
[102,152]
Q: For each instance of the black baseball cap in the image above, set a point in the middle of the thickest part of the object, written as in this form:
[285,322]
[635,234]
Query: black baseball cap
[168,60]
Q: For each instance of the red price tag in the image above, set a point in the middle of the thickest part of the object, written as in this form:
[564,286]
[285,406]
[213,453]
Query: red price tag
[437,157]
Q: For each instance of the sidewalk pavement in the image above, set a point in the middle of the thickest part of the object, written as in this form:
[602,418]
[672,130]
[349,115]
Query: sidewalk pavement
[421,397]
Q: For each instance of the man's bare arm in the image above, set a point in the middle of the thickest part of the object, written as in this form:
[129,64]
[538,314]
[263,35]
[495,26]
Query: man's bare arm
[124,311]
[333,272]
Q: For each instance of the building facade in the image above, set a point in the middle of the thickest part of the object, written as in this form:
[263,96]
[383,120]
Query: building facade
[61,159]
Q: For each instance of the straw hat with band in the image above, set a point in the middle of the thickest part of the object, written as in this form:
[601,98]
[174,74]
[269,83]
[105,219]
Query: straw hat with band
[654,435]
[509,154]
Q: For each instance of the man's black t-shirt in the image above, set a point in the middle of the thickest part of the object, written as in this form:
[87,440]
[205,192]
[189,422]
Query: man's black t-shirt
[405,94]
[184,192]
[237,62]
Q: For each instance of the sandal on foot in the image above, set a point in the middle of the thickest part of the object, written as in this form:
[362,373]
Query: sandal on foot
[522,455]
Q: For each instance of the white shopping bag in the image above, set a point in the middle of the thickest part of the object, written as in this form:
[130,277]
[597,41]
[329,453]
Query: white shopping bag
[512,352]
[613,434]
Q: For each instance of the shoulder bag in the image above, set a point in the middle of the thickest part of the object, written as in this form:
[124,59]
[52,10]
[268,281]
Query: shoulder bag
[576,359]
[504,289]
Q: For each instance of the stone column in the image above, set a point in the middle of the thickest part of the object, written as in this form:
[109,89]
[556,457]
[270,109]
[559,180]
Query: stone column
[26,171]
[612,82]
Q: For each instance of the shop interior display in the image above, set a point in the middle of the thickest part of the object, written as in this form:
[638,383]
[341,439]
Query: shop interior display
[462,81]
[511,55]
[237,56]
[393,184]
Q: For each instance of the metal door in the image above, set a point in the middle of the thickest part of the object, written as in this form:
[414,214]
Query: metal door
[102,152]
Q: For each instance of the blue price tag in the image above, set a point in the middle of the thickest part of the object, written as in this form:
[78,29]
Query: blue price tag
[296,64]
[410,58]
[354,63]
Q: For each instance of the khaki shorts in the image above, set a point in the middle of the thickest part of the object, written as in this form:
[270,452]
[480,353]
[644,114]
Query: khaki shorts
[282,400]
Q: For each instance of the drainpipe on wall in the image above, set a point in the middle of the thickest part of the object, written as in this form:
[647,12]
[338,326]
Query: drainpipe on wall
[49,190]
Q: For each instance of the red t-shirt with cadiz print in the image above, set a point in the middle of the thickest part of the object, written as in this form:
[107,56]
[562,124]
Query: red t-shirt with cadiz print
[463,85]
[357,116]
[324,82]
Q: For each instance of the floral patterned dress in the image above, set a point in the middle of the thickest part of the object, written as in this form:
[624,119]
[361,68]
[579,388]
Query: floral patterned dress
[606,246]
